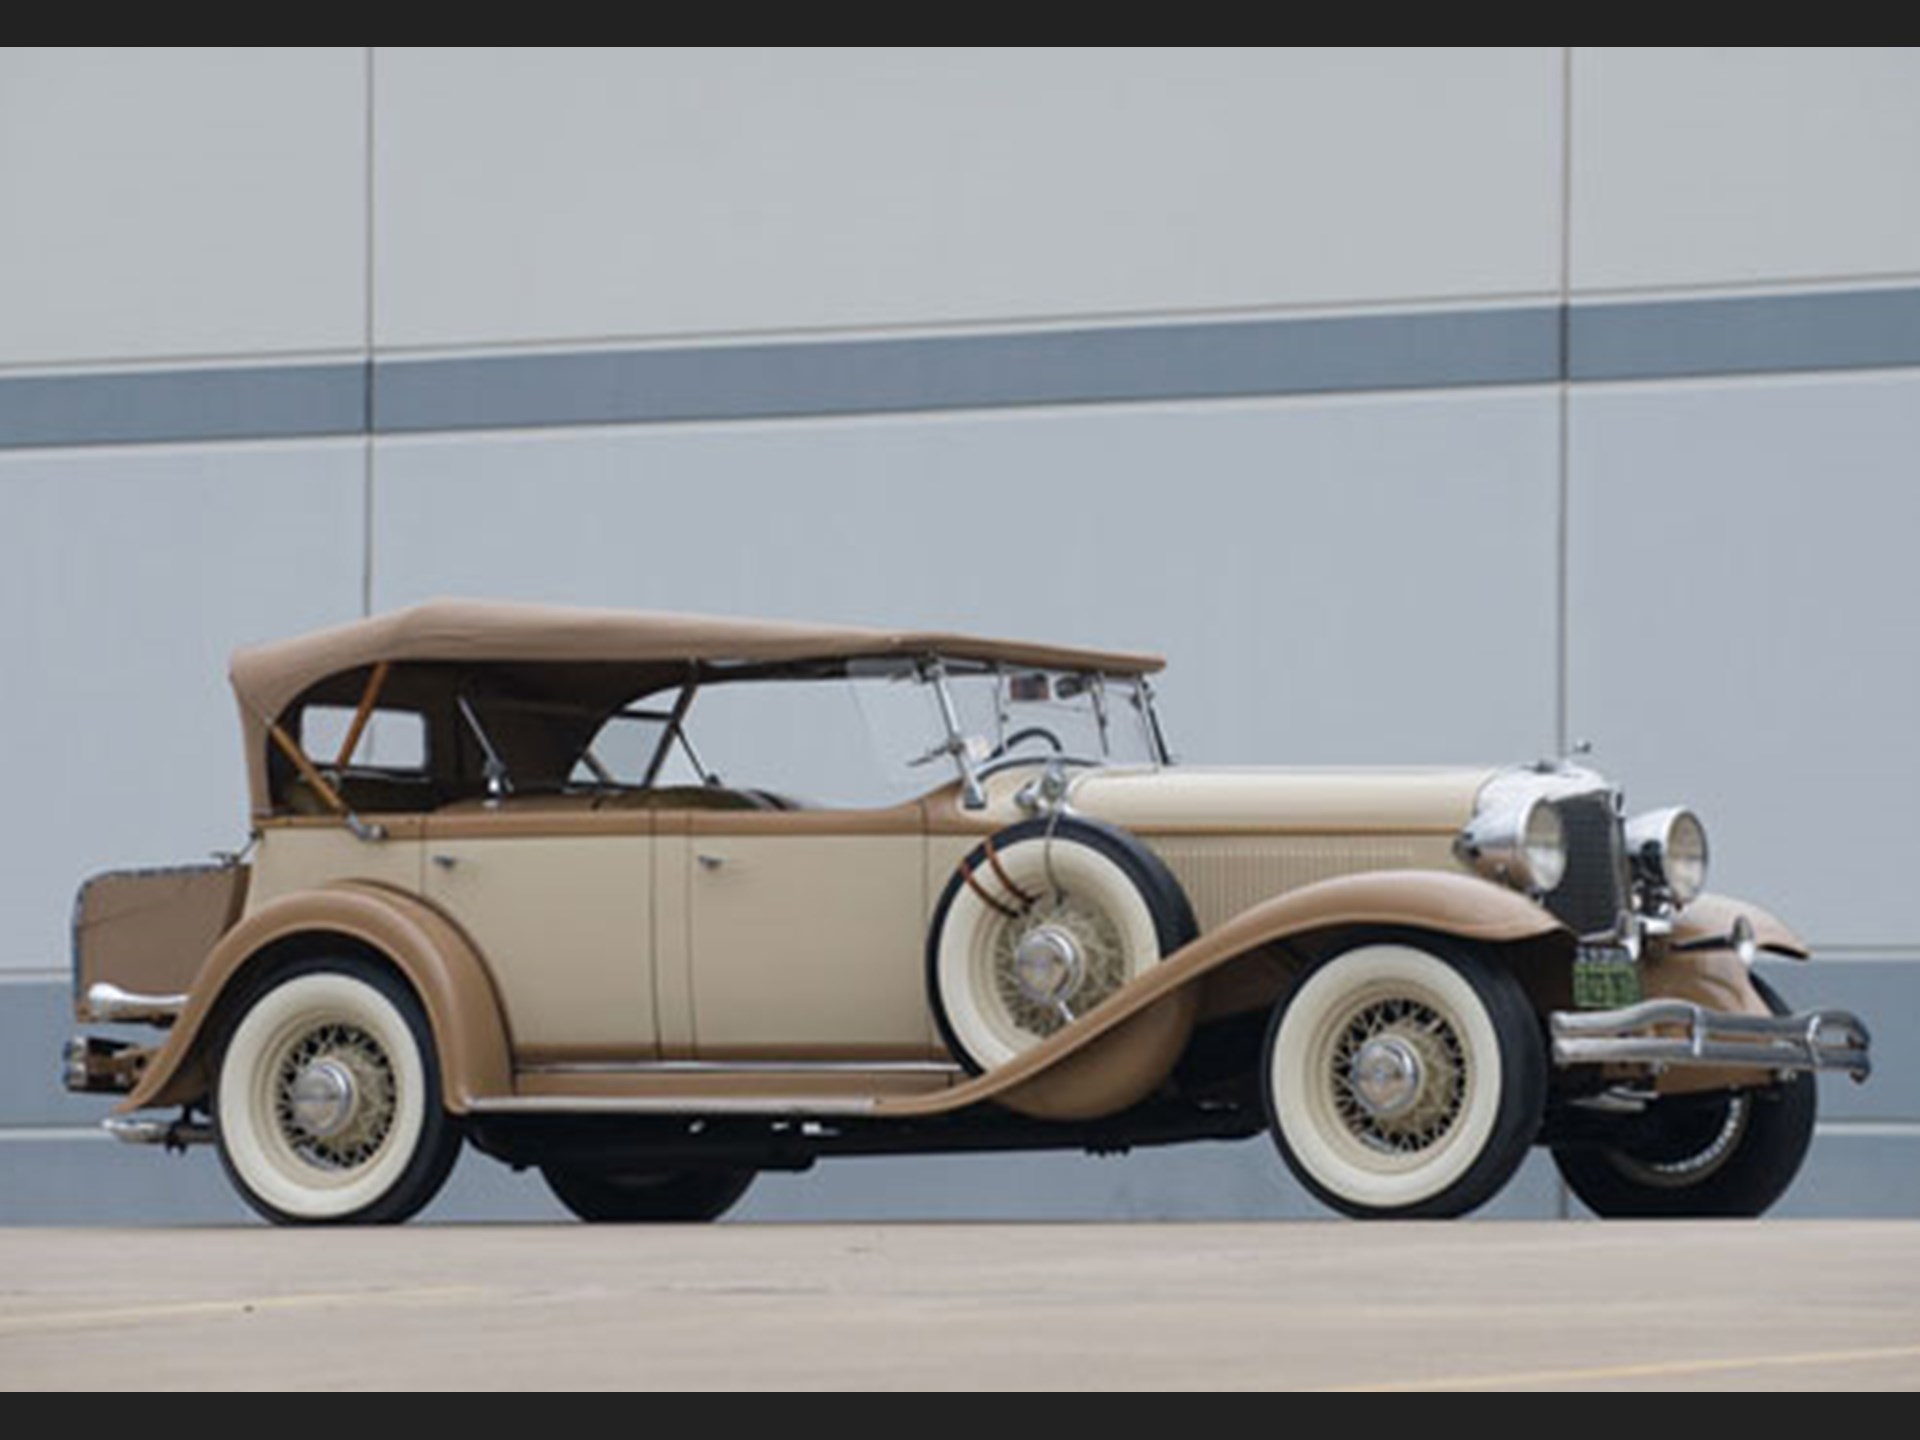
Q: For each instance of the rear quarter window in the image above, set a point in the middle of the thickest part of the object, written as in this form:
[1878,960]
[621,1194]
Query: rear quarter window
[395,740]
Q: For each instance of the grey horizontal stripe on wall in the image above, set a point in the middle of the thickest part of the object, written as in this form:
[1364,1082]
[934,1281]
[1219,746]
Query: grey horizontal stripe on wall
[1746,335]
[1739,335]
[163,406]
[1139,363]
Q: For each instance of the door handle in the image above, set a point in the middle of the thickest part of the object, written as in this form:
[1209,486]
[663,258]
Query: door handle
[449,863]
[712,863]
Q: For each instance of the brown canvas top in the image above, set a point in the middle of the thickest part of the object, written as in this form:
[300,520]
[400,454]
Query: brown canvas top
[269,678]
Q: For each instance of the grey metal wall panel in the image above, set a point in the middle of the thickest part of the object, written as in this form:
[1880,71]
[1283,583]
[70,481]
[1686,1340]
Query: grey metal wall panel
[181,200]
[1245,1181]
[1215,359]
[1884,993]
[557,193]
[1866,1176]
[1742,164]
[97,1182]
[262,403]
[1161,362]
[126,581]
[1318,572]
[1867,329]
[80,1182]
[1744,595]
[35,1021]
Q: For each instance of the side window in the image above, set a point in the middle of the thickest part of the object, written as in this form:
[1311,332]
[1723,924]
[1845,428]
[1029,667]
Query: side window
[394,741]
[808,741]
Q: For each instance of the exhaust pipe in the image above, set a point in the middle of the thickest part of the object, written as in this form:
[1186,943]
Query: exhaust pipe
[178,1136]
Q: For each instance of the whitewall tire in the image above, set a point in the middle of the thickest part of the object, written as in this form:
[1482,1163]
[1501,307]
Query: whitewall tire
[1406,1080]
[327,1098]
[1056,919]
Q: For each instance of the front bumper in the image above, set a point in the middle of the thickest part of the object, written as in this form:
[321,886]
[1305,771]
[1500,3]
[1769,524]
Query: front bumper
[1673,1034]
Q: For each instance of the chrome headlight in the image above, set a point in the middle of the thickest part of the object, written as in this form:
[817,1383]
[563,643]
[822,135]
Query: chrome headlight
[1669,849]
[1523,845]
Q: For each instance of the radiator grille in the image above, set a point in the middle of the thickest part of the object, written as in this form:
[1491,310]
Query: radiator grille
[1594,894]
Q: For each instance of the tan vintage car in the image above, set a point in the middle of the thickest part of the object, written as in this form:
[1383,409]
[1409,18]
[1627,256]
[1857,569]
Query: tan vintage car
[657,903]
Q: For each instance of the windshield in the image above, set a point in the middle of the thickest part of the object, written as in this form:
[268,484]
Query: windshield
[1035,715]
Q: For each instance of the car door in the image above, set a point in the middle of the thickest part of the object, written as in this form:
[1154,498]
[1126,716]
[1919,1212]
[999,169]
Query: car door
[806,935]
[560,902]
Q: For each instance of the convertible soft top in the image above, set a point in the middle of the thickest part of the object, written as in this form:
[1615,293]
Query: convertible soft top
[270,678]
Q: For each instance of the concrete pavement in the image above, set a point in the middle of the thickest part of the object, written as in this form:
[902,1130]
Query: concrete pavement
[1502,1306]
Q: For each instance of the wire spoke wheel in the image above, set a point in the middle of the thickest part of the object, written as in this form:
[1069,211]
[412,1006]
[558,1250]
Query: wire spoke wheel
[335,1097]
[1053,964]
[1408,1051]
[1406,1080]
[1692,1167]
[1041,927]
[327,1098]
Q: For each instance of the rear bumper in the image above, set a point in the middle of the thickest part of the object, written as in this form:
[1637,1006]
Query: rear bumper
[1673,1034]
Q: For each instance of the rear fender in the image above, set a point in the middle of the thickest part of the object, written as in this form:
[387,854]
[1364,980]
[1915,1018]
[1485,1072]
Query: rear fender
[429,950]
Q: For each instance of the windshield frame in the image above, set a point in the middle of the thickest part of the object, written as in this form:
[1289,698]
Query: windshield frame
[939,673]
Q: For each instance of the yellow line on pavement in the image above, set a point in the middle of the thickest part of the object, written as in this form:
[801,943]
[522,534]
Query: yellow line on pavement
[1658,1370]
[236,1308]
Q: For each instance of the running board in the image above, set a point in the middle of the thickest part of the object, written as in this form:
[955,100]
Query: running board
[692,1106]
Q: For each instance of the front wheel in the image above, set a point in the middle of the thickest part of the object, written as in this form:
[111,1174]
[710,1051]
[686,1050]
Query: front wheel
[691,1197]
[1721,1157]
[1406,1080]
[327,1098]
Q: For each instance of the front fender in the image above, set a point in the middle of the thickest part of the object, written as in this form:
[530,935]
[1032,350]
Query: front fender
[1088,1060]
[436,958]
[1698,964]
[1712,917]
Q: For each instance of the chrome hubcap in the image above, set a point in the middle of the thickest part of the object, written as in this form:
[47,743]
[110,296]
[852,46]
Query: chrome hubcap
[335,1097]
[1048,966]
[1399,1076]
[323,1098]
[1387,1077]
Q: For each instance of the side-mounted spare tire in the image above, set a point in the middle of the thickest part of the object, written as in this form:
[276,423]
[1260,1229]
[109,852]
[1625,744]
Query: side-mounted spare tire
[1040,926]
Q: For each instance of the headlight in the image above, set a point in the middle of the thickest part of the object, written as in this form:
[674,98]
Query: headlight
[1523,845]
[1669,850]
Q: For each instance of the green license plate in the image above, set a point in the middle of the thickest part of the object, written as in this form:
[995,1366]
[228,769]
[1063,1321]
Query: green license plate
[1606,984]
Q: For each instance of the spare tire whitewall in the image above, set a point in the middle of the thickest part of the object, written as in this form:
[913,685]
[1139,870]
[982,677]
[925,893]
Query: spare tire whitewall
[327,1098]
[1406,1079]
[1058,918]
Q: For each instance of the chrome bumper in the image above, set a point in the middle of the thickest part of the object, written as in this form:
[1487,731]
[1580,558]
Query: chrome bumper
[110,1005]
[1672,1034]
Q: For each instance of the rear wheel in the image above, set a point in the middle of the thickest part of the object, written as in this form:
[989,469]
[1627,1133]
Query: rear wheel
[1406,1080]
[327,1098]
[690,1197]
[1719,1157]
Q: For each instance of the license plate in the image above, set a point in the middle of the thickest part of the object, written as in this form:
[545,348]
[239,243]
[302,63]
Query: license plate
[1606,983]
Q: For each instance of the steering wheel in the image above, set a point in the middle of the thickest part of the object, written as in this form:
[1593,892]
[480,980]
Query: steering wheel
[1021,737]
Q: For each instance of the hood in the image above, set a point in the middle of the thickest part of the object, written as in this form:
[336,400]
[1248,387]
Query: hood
[1252,801]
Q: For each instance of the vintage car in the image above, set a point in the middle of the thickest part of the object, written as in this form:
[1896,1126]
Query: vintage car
[600,894]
